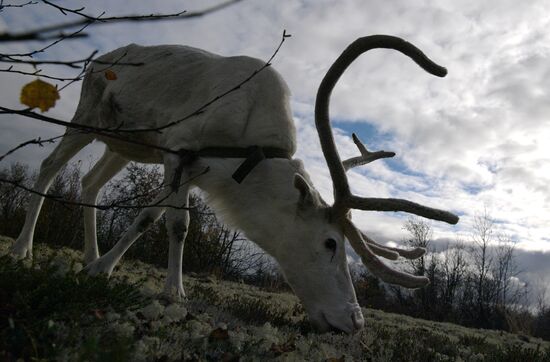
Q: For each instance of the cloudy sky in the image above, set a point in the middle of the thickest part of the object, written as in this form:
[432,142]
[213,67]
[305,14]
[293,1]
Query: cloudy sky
[475,140]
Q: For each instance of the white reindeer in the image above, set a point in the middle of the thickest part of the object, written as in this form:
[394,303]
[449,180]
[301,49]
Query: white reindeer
[274,204]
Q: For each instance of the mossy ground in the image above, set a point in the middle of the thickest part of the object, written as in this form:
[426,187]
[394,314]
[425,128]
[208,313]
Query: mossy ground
[48,311]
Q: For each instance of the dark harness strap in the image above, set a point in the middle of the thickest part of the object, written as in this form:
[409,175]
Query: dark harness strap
[253,156]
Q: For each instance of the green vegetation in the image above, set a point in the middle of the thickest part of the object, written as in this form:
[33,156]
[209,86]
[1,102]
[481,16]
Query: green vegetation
[45,304]
[50,312]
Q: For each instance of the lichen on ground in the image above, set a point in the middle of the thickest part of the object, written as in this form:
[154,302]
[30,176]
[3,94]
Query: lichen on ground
[126,318]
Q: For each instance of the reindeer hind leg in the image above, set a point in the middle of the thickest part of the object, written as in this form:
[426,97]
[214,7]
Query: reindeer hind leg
[105,169]
[69,146]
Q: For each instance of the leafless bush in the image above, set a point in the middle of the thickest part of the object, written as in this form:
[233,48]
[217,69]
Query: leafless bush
[210,246]
[59,224]
[13,199]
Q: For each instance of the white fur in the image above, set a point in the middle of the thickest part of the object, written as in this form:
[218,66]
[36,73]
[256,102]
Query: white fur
[174,81]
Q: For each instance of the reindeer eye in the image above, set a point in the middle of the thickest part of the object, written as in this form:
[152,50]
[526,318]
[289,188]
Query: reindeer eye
[330,244]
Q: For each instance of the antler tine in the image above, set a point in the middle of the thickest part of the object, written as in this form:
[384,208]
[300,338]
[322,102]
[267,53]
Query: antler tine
[405,253]
[381,204]
[381,250]
[366,155]
[374,264]
[342,192]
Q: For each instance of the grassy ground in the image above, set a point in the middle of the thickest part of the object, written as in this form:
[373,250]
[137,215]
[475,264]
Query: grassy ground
[50,312]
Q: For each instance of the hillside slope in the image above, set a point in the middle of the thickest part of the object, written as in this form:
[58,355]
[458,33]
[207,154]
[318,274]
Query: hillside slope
[49,311]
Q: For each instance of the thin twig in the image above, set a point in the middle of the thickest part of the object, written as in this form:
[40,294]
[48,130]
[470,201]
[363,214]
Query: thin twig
[41,33]
[90,18]
[4,6]
[38,73]
[105,132]
[68,63]
[82,72]
[113,205]
[77,78]
[57,41]
[26,37]
[35,141]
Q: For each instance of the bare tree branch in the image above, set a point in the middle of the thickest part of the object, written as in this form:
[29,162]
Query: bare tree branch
[34,141]
[86,20]
[68,63]
[4,6]
[38,73]
[59,39]
[120,204]
[106,132]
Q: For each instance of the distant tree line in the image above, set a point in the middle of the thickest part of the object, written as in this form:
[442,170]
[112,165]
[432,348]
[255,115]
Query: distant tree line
[473,283]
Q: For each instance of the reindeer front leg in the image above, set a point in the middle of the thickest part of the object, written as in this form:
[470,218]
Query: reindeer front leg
[177,223]
[106,263]
[176,199]
[177,179]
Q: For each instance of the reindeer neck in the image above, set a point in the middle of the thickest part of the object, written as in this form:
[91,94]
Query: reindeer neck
[256,205]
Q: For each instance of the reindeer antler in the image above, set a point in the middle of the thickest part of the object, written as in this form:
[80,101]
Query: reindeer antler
[343,199]
[366,155]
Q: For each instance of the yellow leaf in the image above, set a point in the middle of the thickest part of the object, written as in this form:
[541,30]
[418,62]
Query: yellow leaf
[110,75]
[39,94]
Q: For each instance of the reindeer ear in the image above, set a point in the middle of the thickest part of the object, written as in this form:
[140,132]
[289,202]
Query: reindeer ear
[306,194]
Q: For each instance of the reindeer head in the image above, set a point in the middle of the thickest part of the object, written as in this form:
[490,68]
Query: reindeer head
[316,264]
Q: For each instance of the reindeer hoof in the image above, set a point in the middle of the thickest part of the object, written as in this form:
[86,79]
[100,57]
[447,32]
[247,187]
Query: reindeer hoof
[21,250]
[89,258]
[98,267]
[173,293]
